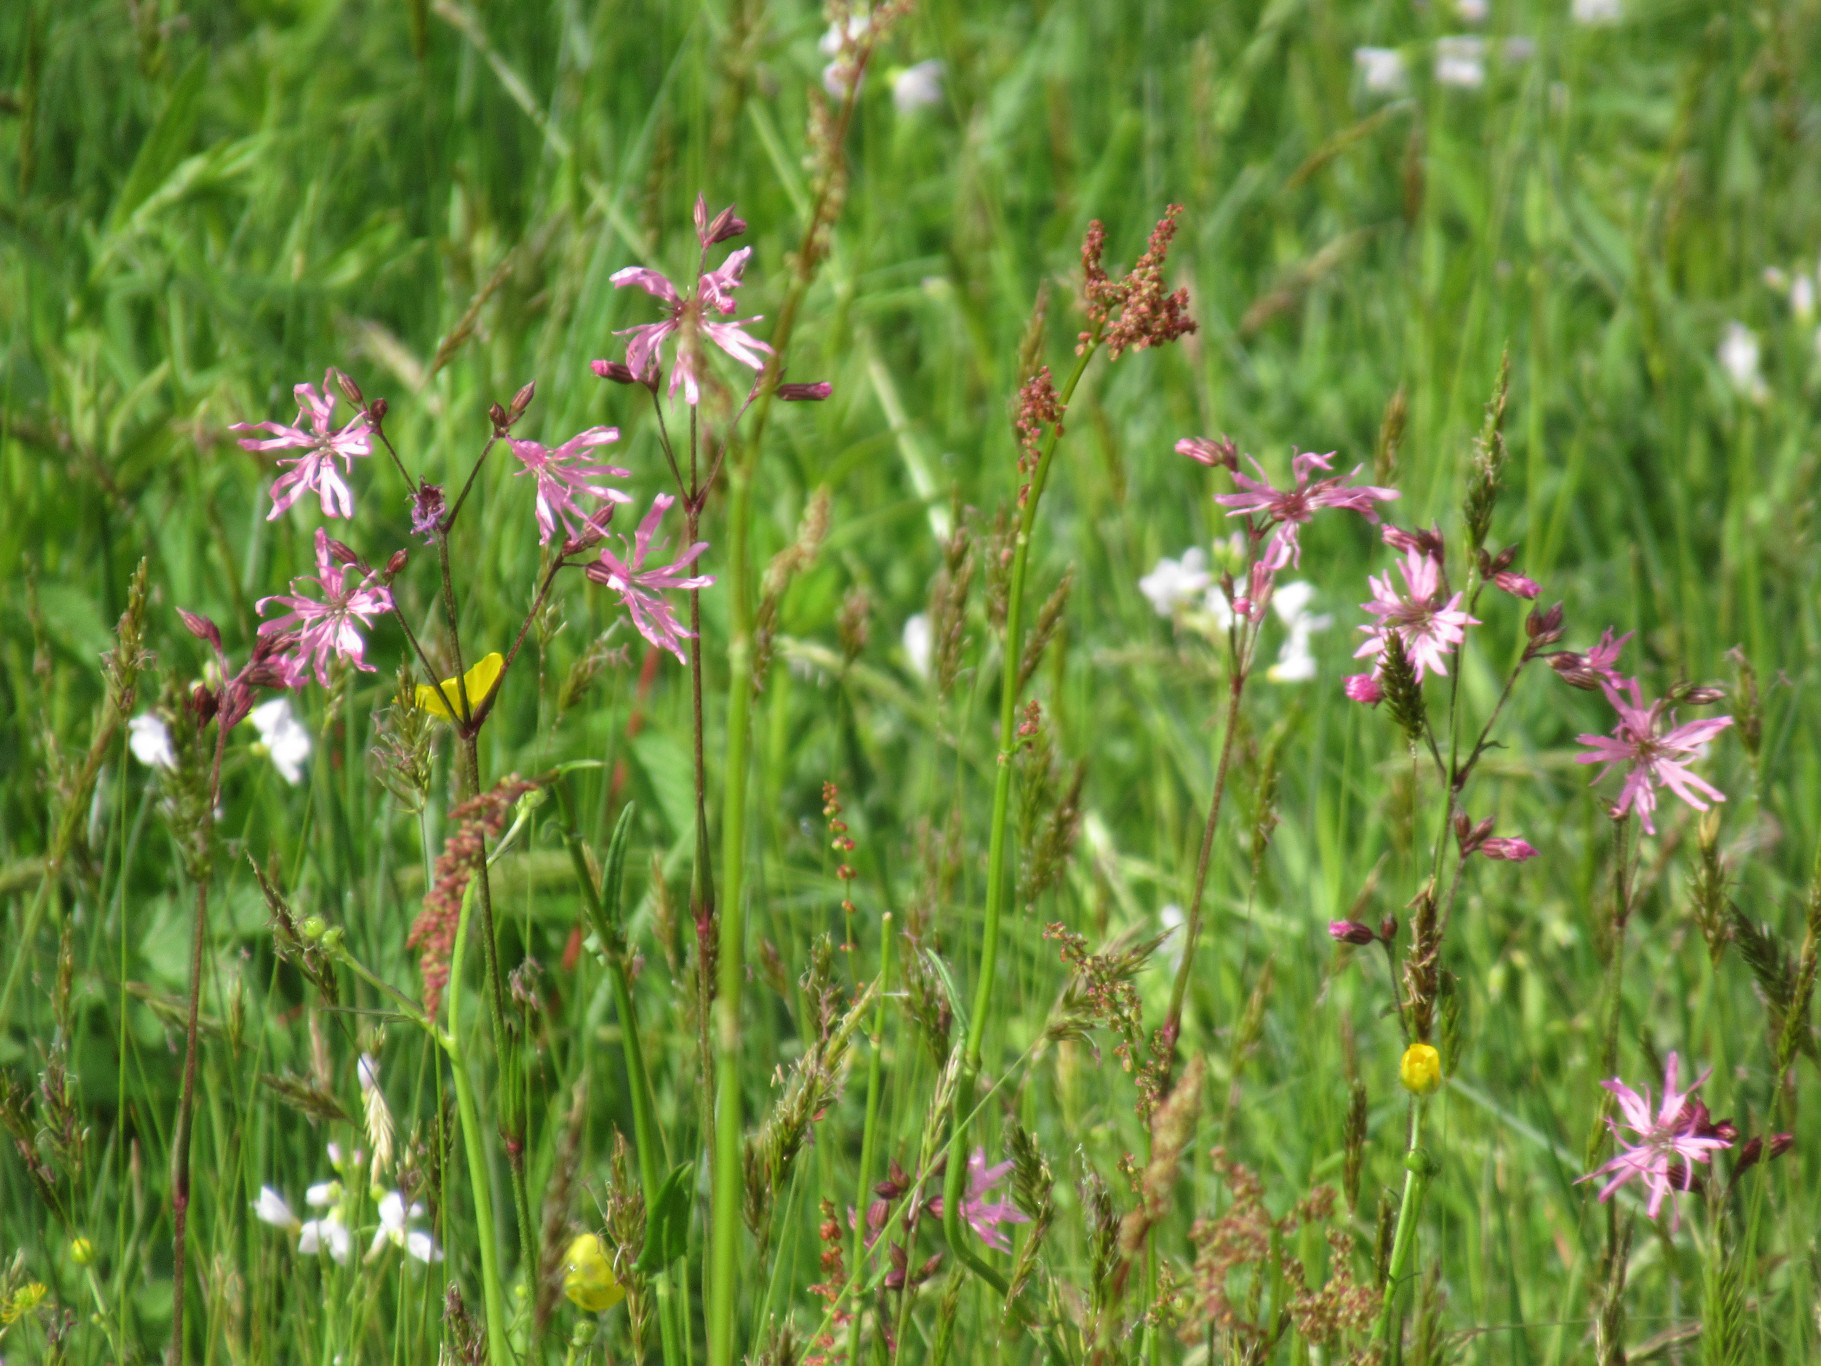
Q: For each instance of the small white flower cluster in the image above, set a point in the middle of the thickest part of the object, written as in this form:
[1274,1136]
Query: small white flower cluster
[1740,358]
[1186,591]
[282,738]
[332,1231]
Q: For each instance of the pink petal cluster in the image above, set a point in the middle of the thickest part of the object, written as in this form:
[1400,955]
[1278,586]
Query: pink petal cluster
[1516,584]
[311,631]
[1668,1145]
[1364,688]
[640,588]
[1429,622]
[1291,508]
[564,474]
[1511,849]
[688,316]
[982,1215]
[1647,742]
[314,470]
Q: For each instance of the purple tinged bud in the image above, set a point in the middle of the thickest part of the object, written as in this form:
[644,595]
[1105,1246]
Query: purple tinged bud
[1779,1144]
[342,554]
[617,371]
[349,389]
[201,627]
[1697,695]
[521,401]
[1222,454]
[1387,929]
[805,393]
[396,565]
[725,226]
[1364,688]
[1350,932]
[377,410]
[1515,584]
[1509,849]
[498,417]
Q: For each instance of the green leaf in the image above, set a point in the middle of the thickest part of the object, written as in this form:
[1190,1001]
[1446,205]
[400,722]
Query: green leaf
[667,1223]
[165,145]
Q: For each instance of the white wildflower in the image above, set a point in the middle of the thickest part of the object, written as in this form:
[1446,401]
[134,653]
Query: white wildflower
[394,1229]
[284,737]
[1172,584]
[917,87]
[271,1209]
[329,1234]
[1597,13]
[1295,661]
[1739,357]
[150,740]
[918,644]
[1802,298]
[1460,61]
[1382,69]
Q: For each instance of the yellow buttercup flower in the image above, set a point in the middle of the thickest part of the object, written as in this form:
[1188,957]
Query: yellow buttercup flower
[22,1301]
[480,680]
[588,1277]
[1421,1069]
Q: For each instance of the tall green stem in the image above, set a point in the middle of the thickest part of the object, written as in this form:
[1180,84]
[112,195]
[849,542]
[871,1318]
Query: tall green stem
[1417,1171]
[499,1345]
[996,856]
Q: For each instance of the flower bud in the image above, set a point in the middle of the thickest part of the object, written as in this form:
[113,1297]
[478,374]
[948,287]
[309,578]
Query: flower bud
[1350,932]
[497,415]
[1387,928]
[1544,628]
[1363,688]
[521,401]
[349,390]
[377,410]
[805,393]
[313,929]
[395,566]
[332,939]
[617,371]
[1222,454]
[342,554]
[1421,1070]
[201,627]
[82,1252]
[724,227]
[1696,694]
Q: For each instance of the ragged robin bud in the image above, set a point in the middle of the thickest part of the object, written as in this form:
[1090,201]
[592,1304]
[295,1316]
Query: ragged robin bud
[497,416]
[377,410]
[521,401]
[349,389]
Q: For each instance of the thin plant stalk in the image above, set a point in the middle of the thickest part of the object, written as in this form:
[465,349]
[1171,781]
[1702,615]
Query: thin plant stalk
[869,1137]
[954,1177]
[603,913]
[726,1174]
[1417,1173]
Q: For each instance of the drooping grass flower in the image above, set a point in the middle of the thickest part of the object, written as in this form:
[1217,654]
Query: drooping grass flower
[1292,507]
[563,475]
[640,589]
[1646,741]
[688,315]
[313,470]
[1668,1145]
[285,739]
[982,1215]
[1429,623]
[312,631]
[1421,1069]
[588,1278]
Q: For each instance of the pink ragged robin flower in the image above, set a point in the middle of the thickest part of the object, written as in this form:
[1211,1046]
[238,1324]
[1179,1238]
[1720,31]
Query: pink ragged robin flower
[982,1215]
[1290,508]
[311,632]
[688,316]
[641,589]
[1364,688]
[1429,622]
[1647,742]
[314,469]
[1601,658]
[1667,1146]
[564,474]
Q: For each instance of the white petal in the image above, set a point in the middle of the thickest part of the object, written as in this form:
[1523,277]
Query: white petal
[150,740]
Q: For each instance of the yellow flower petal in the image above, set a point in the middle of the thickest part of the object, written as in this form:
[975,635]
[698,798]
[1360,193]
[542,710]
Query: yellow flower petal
[480,680]
[588,1278]
[1421,1069]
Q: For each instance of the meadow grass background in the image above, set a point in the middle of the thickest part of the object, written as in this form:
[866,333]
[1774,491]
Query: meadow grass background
[205,204]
